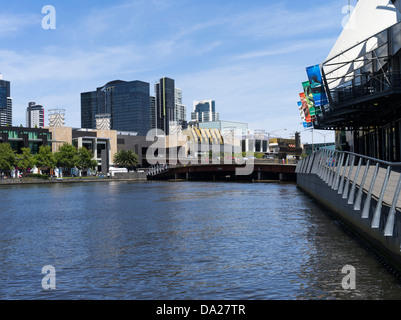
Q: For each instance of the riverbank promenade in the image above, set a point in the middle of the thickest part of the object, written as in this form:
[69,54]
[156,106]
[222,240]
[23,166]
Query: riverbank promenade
[361,191]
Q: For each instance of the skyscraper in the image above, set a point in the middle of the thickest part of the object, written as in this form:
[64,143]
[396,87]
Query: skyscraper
[180,110]
[5,103]
[204,111]
[127,103]
[35,116]
[165,103]
[152,112]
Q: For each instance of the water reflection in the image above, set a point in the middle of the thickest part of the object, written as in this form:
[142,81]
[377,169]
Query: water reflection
[179,241]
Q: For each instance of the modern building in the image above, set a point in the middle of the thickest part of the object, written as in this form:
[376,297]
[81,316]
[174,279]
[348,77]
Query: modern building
[180,110]
[127,103]
[138,144]
[165,103]
[152,112]
[227,127]
[204,111]
[35,115]
[282,148]
[5,103]
[362,81]
[21,137]
[101,143]
[308,149]
[56,117]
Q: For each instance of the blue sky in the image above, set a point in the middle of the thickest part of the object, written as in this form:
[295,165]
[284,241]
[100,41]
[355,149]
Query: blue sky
[249,56]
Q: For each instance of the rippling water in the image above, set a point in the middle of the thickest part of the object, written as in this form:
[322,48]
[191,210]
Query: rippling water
[189,240]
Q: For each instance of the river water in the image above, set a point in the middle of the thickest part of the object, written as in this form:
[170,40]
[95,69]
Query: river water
[179,240]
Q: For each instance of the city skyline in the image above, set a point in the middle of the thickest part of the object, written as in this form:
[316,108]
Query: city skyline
[245,56]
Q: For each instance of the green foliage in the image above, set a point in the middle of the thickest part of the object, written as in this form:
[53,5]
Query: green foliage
[126,159]
[25,160]
[7,157]
[67,156]
[45,158]
[85,159]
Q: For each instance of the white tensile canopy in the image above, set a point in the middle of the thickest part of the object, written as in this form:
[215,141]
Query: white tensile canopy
[368,19]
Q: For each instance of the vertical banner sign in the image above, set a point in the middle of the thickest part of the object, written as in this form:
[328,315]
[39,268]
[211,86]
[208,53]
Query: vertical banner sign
[316,84]
[302,114]
[305,107]
[309,99]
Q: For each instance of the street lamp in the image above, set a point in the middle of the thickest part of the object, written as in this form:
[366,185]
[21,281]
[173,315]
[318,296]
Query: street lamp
[324,136]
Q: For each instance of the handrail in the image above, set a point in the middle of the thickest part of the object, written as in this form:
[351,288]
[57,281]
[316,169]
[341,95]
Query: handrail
[331,167]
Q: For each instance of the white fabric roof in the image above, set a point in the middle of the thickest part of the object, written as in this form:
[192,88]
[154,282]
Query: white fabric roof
[368,18]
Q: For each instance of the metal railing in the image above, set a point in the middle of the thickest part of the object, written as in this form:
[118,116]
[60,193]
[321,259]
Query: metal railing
[353,175]
[368,85]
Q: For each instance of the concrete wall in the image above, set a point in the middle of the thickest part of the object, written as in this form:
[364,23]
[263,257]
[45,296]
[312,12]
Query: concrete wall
[130,176]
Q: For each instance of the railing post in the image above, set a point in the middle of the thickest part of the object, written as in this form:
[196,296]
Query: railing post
[327,176]
[321,162]
[389,228]
[366,207]
[352,193]
[332,166]
[359,196]
[338,170]
[378,211]
[347,184]
[323,165]
[341,187]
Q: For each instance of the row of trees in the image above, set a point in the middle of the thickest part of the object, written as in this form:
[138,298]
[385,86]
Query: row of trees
[67,157]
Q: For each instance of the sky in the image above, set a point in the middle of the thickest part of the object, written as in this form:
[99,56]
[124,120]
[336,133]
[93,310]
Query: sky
[249,56]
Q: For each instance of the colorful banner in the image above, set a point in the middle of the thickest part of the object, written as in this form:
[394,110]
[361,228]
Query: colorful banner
[316,84]
[305,107]
[309,98]
[302,114]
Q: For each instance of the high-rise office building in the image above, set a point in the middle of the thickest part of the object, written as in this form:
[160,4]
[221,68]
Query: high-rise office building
[35,116]
[5,103]
[127,103]
[152,112]
[180,111]
[165,103]
[204,111]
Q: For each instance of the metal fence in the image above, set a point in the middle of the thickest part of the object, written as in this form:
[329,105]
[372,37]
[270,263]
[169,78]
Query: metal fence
[353,175]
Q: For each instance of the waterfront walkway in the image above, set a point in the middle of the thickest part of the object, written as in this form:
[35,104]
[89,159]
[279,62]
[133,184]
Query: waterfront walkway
[364,192]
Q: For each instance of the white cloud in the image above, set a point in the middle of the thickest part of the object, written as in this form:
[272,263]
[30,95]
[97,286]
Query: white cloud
[11,24]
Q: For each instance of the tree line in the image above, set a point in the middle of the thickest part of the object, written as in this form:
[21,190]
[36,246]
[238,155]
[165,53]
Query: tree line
[67,157]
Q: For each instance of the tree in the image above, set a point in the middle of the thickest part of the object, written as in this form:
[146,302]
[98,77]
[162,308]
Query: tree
[126,159]
[85,159]
[67,156]
[25,160]
[7,157]
[45,158]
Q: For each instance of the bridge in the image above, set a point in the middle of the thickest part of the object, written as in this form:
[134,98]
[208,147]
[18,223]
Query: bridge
[261,170]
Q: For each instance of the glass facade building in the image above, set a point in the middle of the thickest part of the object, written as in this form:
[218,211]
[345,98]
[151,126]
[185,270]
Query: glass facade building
[5,103]
[165,103]
[128,104]
[20,137]
[204,111]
